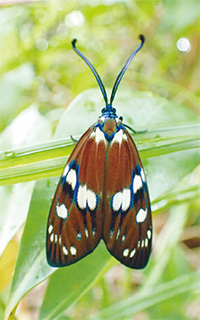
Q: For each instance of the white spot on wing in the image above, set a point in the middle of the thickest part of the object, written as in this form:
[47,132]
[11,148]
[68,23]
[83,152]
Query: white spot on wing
[137,183]
[93,134]
[86,197]
[149,234]
[65,251]
[126,252]
[111,233]
[71,178]
[73,250]
[65,170]
[81,197]
[56,238]
[117,201]
[142,244]
[79,235]
[142,175]
[126,199]
[124,137]
[86,233]
[118,233]
[146,242]
[50,229]
[123,238]
[52,237]
[62,211]
[141,215]
[132,253]
[91,199]
[59,240]
[98,135]
[118,137]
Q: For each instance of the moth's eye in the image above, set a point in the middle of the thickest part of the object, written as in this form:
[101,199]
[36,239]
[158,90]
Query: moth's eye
[121,118]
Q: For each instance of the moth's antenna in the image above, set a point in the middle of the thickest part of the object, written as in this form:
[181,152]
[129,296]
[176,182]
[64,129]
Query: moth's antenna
[125,67]
[94,71]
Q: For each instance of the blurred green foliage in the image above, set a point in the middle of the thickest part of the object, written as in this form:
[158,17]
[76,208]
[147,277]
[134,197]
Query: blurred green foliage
[40,76]
[39,66]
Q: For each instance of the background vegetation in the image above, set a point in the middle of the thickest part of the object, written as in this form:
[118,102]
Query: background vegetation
[47,94]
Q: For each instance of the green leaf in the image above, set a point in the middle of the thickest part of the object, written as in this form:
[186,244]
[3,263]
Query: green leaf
[20,132]
[31,267]
[67,285]
[150,297]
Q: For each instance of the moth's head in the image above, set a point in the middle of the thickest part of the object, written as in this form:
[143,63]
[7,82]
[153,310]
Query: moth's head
[108,112]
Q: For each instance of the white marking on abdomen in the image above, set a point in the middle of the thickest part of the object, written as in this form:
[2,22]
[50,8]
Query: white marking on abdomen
[62,211]
[137,183]
[141,215]
[71,178]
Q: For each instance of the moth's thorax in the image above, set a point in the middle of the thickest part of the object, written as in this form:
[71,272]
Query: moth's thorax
[109,126]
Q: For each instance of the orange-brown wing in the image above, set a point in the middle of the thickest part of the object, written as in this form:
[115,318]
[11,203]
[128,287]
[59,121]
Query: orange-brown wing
[75,220]
[127,229]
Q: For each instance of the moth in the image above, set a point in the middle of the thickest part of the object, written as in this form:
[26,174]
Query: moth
[102,192]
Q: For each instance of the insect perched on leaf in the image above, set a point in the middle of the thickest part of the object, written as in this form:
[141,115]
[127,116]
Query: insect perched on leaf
[102,193]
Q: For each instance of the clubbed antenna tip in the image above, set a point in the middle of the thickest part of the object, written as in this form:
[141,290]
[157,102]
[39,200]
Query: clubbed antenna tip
[142,38]
[74,42]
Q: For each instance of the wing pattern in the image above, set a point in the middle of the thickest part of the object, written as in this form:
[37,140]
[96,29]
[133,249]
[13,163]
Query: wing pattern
[102,194]
[127,224]
[75,218]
